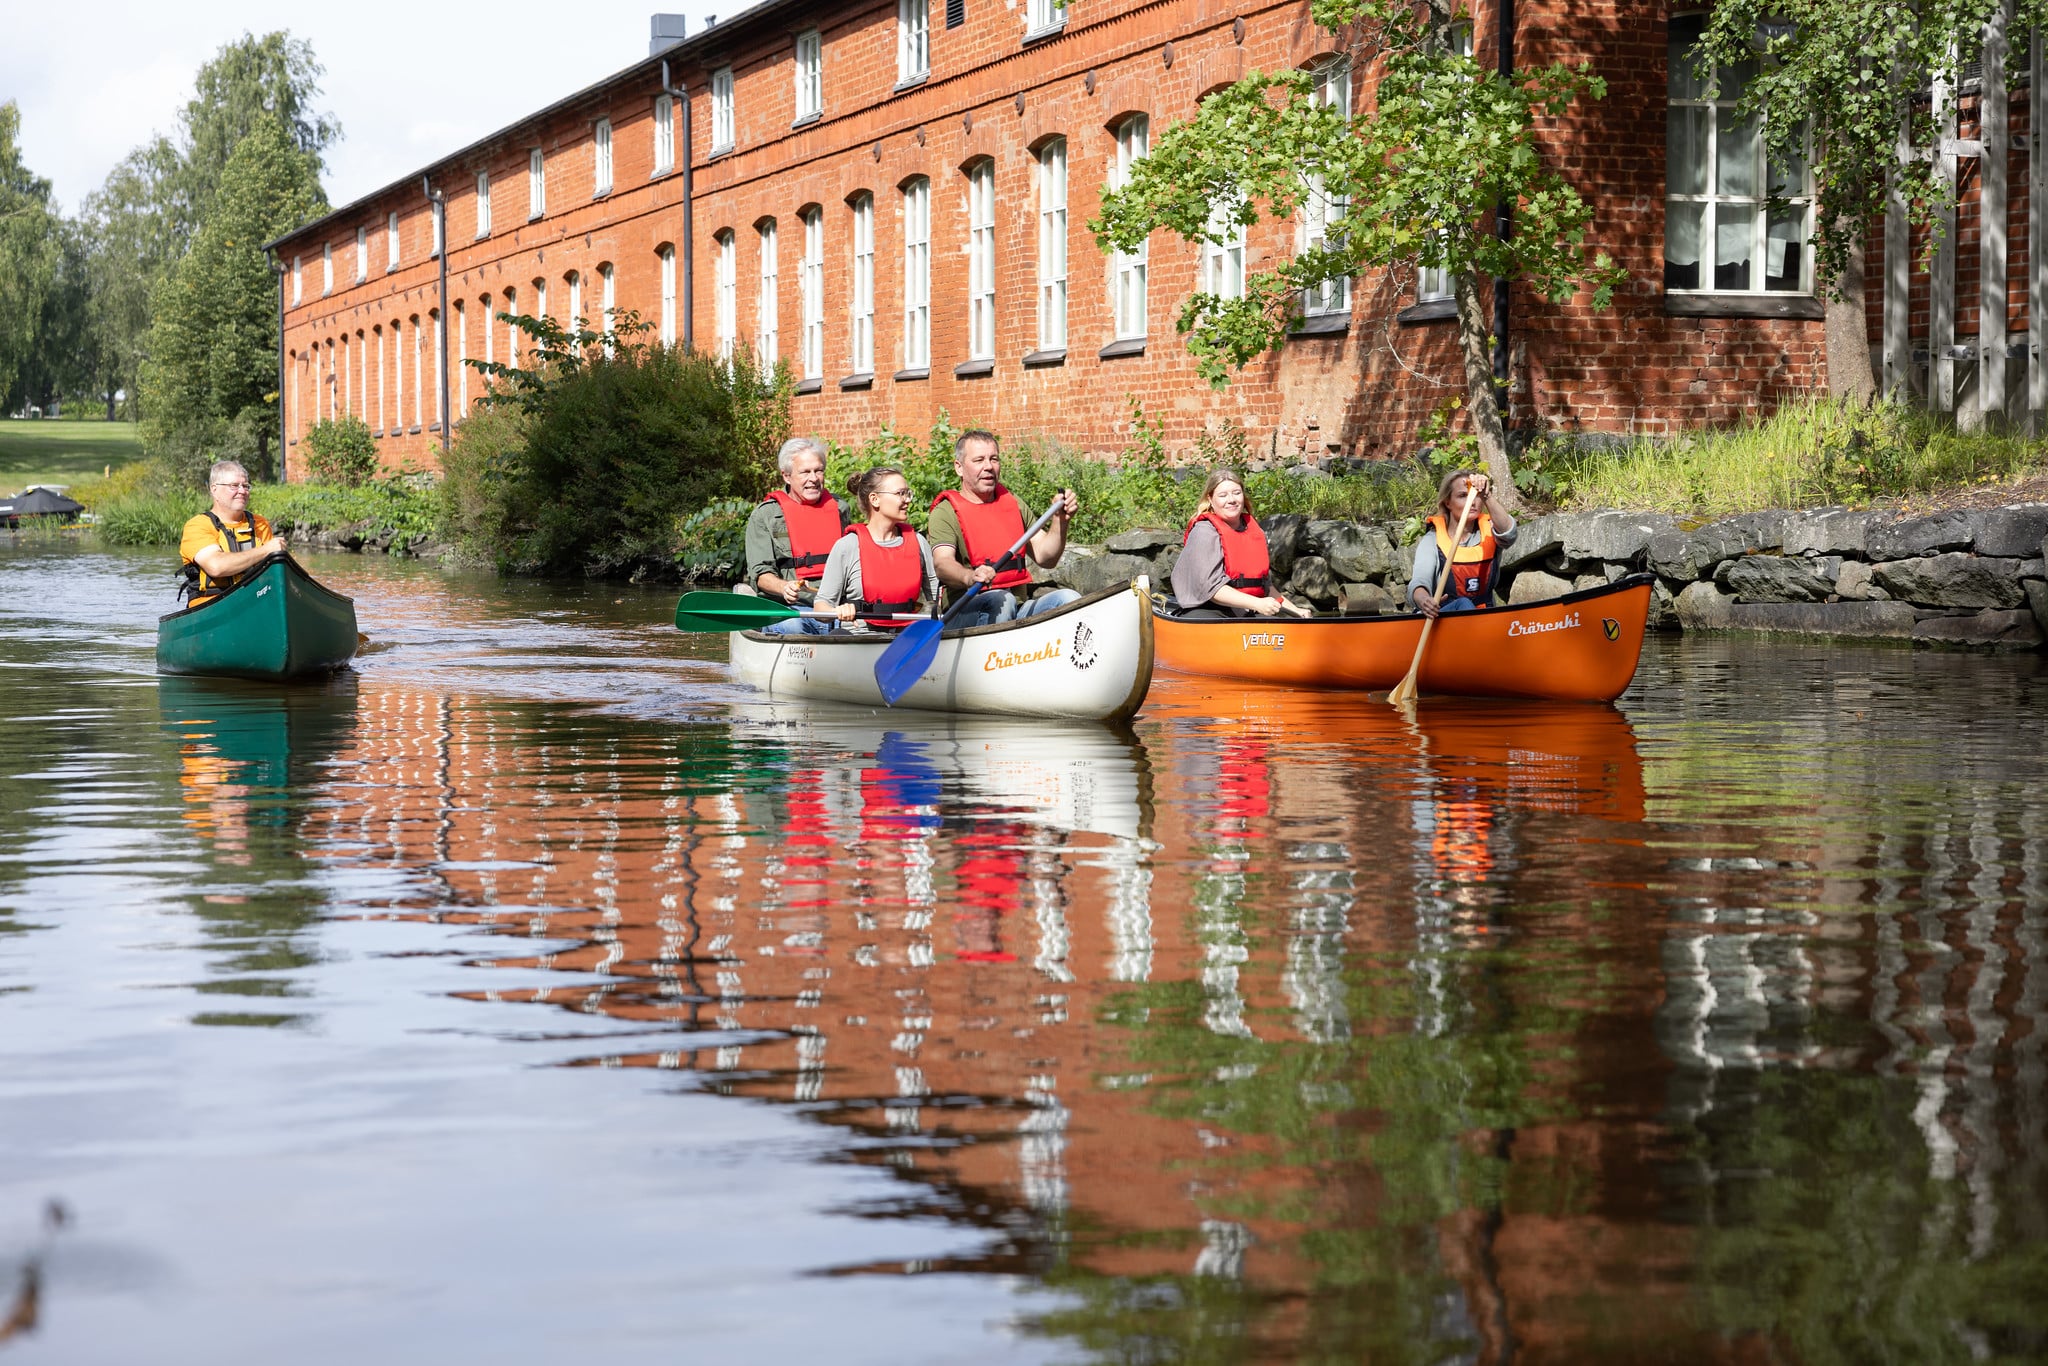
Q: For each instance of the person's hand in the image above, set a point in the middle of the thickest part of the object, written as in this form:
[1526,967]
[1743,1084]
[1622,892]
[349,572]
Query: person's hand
[1266,607]
[792,589]
[1425,602]
[1067,505]
[984,574]
[276,547]
[846,611]
[1481,487]
[1296,608]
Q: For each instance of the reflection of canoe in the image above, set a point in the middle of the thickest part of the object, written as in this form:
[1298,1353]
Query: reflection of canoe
[1068,777]
[1580,647]
[1090,661]
[280,623]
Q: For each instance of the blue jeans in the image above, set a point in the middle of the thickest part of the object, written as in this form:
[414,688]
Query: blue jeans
[1457,605]
[993,606]
[800,626]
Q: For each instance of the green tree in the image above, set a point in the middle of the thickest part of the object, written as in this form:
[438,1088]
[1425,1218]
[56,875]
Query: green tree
[1412,179]
[209,383]
[129,246]
[30,253]
[1845,83]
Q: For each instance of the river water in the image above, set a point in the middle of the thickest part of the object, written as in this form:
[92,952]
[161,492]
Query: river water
[534,990]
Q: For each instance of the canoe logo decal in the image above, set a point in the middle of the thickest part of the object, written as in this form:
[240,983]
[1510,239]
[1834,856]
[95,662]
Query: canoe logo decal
[264,591]
[802,651]
[1611,627]
[1083,655]
[1537,628]
[998,660]
[1265,640]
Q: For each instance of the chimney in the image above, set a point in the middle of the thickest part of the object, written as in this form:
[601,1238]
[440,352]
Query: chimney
[665,31]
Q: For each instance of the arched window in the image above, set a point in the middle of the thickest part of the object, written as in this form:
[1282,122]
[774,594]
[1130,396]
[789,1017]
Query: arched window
[1322,209]
[917,273]
[573,319]
[981,261]
[813,285]
[608,302]
[1052,245]
[861,301]
[767,319]
[728,292]
[665,255]
[1133,141]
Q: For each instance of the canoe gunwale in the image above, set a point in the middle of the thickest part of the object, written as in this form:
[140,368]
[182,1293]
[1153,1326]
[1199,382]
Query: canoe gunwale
[1405,618]
[871,639]
[287,561]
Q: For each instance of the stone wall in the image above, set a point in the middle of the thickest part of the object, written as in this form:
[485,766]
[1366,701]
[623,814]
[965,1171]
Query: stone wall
[1972,579]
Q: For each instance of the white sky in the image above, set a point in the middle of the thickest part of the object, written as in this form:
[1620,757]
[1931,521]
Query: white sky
[409,81]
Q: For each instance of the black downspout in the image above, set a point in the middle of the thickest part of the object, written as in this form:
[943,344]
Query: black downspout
[440,203]
[682,97]
[1504,227]
[283,464]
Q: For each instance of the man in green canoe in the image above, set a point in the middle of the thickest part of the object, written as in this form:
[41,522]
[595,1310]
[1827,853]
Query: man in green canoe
[792,533]
[227,542]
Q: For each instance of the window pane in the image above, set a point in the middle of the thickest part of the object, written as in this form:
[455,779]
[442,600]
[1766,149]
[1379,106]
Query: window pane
[1685,162]
[1734,80]
[1785,250]
[1685,35]
[1788,173]
[1683,226]
[1734,243]
[1737,146]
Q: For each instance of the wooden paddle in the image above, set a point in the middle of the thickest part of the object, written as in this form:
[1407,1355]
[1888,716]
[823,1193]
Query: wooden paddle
[1403,694]
[914,648]
[741,612]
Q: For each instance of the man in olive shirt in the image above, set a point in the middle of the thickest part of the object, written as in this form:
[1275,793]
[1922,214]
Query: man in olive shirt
[790,535]
[971,526]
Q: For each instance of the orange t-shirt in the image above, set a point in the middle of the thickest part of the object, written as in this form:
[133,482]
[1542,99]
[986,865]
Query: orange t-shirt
[200,533]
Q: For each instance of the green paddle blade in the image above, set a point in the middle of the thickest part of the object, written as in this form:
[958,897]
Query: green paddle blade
[729,612]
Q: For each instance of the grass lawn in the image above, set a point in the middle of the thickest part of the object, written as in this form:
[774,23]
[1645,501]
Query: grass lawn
[59,452]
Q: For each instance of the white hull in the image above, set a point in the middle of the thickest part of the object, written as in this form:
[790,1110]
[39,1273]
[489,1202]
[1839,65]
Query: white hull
[1089,661]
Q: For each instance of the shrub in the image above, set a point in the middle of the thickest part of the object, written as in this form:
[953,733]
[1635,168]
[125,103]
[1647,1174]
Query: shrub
[151,517]
[711,543]
[341,451]
[137,476]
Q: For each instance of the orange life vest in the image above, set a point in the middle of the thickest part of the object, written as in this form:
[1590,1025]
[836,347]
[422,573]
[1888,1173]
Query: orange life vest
[989,529]
[891,577]
[813,531]
[1472,565]
[1247,563]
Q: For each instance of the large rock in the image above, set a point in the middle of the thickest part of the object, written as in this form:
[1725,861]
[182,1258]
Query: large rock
[1146,541]
[1854,584]
[1774,578]
[1087,570]
[1284,535]
[1365,600]
[1703,607]
[2037,603]
[1988,630]
[1360,553]
[1535,540]
[1621,537]
[1953,580]
[1827,531]
[1743,534]
[1674,555]
[2017,532]
[1313,580]
[1663,608]
[1906,538]
[1533,585]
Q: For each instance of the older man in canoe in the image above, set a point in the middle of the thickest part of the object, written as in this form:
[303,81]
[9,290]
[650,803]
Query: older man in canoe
[971,528]
[792,533]
[226,543]
[1474,559]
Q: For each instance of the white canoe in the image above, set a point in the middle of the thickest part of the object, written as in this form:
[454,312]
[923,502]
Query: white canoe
[1089,661]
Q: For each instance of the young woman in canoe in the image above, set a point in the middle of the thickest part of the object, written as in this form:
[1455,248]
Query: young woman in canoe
[1225,568]
[882,566]
[1489,531]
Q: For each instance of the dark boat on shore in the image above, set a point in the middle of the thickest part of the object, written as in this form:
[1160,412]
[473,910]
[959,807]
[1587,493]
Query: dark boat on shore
[280,623]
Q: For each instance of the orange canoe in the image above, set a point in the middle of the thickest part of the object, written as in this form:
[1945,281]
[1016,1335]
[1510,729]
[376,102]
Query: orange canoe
[1582,647]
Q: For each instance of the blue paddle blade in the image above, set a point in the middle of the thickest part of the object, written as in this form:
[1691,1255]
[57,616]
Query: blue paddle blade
[907,657]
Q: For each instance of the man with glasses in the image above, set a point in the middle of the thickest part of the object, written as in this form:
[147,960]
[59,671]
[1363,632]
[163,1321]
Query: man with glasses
[226,543]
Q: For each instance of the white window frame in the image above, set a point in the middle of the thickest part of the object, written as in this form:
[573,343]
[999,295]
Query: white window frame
[391,244]
[913,40]
[536,184]
[511,310]
[665,256]
[608,301]
[601,158]
[722,113]
[440,419]
[1043,16]
[378,333]
[861,332]
[362,254]
[1332,89]
[981,261]
[917,274]
[483,203]
[1052,245]
[540,297]
[664,134]
[1130,286]
[326,269]
[1223,252]
[809,75]
[728,303]
[462,357]
[813,289]
[418,365]
[298,279]
[1719,209]
[435,226]
[768,309]
[398,375]
[575,315]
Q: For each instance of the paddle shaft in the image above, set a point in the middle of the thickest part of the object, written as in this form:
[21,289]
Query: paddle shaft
[1404,691]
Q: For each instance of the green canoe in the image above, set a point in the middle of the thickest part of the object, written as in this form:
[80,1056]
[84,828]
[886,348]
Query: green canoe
[278,624]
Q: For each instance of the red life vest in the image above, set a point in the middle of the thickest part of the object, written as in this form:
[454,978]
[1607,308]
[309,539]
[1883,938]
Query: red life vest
[1471,565]
[813,530]
[1247,564]
[891,577]
[989,529]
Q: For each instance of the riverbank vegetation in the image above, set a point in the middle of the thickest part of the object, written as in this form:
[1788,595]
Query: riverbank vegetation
[147,504]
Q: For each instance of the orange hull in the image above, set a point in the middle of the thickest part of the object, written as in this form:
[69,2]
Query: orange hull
[1579,648]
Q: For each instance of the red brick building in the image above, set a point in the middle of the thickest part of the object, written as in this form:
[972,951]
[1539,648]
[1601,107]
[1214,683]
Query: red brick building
[894,199]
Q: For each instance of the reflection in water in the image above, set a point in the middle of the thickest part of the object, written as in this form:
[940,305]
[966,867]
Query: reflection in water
[1282,1028]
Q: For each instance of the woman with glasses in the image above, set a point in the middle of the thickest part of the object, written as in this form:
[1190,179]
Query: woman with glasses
[226,543]
[882,567]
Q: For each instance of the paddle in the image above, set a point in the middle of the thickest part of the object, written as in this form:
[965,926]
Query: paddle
[739,612]
[1403,694]
[914,648]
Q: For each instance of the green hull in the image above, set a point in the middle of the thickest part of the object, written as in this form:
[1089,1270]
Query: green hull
[280,624]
